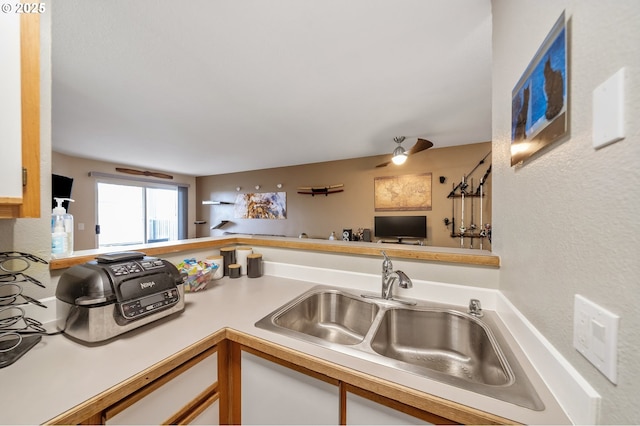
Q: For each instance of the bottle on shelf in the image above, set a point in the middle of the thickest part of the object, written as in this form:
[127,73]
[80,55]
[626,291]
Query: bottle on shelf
[61,230]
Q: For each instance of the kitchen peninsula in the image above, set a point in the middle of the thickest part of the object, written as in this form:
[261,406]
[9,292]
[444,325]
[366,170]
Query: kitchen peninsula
[422,253]
[222,318]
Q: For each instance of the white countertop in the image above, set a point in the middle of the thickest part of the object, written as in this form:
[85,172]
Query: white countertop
[59,373]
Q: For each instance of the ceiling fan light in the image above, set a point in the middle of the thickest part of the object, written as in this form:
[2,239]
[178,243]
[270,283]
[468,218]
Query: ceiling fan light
[399,156]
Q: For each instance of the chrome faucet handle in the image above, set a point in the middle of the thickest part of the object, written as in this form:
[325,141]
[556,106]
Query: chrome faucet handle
[387,266]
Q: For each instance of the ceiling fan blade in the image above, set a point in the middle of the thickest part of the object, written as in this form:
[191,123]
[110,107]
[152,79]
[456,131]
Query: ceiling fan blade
[420,145]
[144,173]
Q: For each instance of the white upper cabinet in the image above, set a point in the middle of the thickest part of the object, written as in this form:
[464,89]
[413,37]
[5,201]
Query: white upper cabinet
[19,114]
[10,110]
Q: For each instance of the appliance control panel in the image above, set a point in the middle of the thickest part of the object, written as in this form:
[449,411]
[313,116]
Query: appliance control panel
[136,308]
[129,268]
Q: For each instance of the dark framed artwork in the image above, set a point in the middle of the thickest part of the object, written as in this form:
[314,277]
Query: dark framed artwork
[539,101]
[406,192]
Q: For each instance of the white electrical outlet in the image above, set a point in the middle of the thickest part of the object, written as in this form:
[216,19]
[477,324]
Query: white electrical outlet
[595,336]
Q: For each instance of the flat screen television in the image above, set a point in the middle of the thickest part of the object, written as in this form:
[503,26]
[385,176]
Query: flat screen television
[60,188]
[399,227]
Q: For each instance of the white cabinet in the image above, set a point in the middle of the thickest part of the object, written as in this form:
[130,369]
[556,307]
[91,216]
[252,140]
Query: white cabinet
[20,115]
[164,402]
[362,411]
[209,416]
[10,109]
[273,394]
[232,383]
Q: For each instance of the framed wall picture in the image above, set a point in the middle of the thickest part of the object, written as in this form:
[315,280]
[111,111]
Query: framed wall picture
[263,205]
[406,192]
[539,102]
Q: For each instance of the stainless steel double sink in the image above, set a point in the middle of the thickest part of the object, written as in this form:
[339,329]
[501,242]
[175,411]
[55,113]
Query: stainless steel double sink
[436,341]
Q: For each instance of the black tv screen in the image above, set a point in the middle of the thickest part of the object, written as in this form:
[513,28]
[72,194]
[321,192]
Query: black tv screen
[400,226]
[60,188]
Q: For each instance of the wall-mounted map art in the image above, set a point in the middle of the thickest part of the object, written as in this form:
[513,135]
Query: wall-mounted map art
[407,192]
[264,205]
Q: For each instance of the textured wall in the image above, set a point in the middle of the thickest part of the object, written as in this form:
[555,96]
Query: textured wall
[566,221]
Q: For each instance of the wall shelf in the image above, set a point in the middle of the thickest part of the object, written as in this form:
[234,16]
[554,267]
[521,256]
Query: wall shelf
[215,203]
[321,190]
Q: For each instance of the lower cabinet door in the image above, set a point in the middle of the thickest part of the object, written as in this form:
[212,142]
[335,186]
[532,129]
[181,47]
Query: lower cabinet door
[167,400]
[362,411]
[209,416]
[273,394]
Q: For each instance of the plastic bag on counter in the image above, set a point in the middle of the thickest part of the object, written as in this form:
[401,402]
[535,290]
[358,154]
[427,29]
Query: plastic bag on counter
[199,274]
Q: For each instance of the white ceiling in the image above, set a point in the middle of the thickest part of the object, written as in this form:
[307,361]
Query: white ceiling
[205,87]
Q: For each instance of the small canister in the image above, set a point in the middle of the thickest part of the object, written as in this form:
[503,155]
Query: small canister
[234,270]
[241,258]
[229,257]
[219,262]
[254,265]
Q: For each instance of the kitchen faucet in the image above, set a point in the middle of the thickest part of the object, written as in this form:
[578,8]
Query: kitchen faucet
[389,277]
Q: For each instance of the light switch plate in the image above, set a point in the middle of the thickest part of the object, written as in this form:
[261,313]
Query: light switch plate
[608,111]
[595,336]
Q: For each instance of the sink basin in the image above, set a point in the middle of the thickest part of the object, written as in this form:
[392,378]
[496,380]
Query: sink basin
[431,340]
[445,341]
[331,316]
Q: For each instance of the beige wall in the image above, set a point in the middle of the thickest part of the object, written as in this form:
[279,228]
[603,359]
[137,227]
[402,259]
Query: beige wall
[84,194]
[567,221]
[318,215]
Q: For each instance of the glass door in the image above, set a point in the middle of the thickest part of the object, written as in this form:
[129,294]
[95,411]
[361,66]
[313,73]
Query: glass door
[130,214]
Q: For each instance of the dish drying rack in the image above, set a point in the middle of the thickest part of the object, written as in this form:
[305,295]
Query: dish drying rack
[18,332]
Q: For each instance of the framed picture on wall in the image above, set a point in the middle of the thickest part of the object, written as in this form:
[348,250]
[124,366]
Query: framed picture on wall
[405,192]
[539,101]
[261,205]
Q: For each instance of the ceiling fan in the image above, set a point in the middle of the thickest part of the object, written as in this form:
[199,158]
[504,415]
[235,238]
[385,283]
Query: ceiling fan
[144,173]
[400,155]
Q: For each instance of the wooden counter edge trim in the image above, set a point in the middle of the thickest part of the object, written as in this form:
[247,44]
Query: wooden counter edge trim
[150,251]
[354,248]
[111,396]
[431,256]
[405,395]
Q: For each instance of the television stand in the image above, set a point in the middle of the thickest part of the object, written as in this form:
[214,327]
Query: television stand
[414,241]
